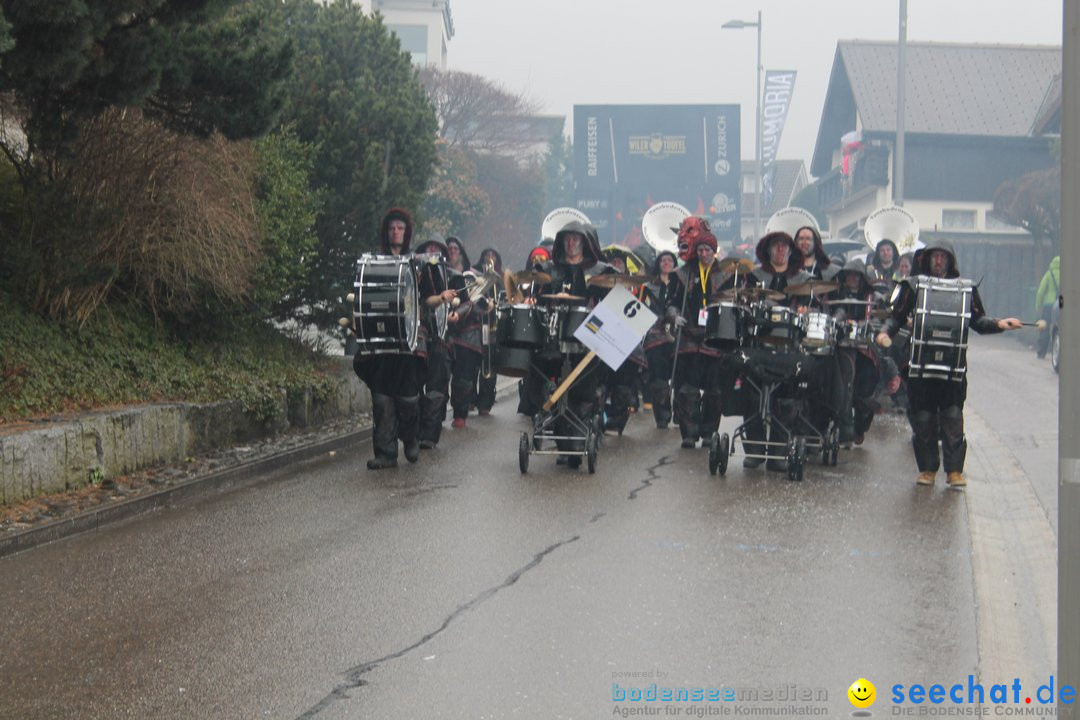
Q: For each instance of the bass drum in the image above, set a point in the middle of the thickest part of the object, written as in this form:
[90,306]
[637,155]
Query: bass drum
[386,309]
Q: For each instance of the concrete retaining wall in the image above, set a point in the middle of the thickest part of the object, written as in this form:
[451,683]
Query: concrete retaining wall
[63,455]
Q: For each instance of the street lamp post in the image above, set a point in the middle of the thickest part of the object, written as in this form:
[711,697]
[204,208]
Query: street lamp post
[737,25]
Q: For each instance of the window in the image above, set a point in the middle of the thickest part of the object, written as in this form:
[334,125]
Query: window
[413,41]
[958,219]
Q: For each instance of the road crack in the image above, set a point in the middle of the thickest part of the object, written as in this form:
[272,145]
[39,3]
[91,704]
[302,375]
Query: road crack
[354,675]
[647,482]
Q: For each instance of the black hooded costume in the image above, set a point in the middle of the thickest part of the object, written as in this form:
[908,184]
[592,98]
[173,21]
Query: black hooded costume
[431,280]
[820,266]
[859,362]
[936,406]
[394,379]
[485,392]
[548,365]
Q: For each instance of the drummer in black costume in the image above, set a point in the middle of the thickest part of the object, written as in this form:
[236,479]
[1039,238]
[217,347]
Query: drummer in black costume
[434,286]
[859,361]
[701,372]
[659,342]
[936,406]
[575,252]
[781,264]
[394,380]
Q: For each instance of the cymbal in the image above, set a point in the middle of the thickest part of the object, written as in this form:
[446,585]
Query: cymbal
[814,286]
[564,296]
[610,280]
[850,301]
[530,276]
[731,264]
[751,293]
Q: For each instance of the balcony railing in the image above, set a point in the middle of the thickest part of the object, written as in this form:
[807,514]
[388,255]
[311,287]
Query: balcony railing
[869,167]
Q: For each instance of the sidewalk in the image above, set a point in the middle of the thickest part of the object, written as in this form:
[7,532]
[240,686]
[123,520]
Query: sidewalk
[51,517]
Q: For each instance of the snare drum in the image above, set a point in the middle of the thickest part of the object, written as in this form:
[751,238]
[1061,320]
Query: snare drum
[777,326]
[386,309]
[521,326]
[820,334]
[570,319]
[723,326]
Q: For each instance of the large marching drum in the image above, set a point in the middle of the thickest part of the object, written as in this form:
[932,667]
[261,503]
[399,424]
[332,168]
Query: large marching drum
[386,305]
[939,332]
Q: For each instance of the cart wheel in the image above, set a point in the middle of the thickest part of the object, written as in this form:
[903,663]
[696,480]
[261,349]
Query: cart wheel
[722,452]
[523,453]
[800,458]
[714,453]
[590,452]
[796,456]
[834,446]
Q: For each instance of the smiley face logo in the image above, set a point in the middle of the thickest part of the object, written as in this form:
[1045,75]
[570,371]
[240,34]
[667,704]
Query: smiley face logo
[862,693]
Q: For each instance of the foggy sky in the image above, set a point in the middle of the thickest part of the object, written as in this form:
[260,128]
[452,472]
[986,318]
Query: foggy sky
[566,52]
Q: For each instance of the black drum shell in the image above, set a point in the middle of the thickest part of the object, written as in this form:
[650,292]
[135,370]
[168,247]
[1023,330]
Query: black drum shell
[724,326]
[521,326]
[512,361]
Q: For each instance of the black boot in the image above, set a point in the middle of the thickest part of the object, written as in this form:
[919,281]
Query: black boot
[379,462]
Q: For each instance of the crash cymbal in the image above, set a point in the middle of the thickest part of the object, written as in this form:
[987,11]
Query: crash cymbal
[815,286]
[850,301]
[730,264]
[751,293]
[530,276]
[610,280]
[564,296]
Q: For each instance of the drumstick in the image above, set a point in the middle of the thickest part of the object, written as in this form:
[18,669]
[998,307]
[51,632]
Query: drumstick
[1041,324]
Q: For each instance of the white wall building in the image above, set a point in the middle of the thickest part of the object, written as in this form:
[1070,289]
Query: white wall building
[423,26]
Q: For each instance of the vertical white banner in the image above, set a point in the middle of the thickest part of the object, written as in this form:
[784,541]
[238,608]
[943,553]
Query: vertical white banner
[779,84]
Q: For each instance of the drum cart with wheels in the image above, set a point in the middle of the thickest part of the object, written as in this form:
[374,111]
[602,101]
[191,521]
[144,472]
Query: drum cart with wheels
[556,412]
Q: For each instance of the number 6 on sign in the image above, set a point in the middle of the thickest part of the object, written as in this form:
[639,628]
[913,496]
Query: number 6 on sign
[615,327]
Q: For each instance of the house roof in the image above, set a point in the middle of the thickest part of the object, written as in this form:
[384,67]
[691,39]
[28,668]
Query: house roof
[785,185]
[951,89]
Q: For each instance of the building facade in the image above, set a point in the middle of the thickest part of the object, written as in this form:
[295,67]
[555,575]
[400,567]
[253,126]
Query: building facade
[425,27]
[976,116]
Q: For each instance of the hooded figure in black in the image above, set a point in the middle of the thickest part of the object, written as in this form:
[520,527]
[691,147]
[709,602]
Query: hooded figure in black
[394,379]
[490,259]
[859,361]
[936,406]
[575,257]
[435,285]
[778,269]
[659,342]
[885,265]
[815,261]
[457,259]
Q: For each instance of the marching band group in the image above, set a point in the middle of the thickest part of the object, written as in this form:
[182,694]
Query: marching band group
[799,345]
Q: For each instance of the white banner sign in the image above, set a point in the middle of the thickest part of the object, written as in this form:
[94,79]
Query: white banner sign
[615,327]
[779,84]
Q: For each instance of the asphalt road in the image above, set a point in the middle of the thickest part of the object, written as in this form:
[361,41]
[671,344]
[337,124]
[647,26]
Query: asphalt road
[458,588]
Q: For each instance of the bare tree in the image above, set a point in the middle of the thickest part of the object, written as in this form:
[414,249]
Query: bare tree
[476,113]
